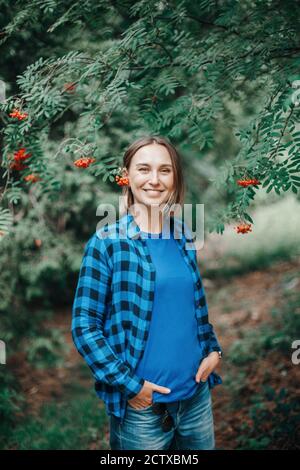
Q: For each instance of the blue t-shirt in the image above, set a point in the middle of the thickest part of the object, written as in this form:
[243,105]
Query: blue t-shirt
[172,353]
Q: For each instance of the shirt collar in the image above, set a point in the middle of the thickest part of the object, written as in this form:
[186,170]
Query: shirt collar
[128,224]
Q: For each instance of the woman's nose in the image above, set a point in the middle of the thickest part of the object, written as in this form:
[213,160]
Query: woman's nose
[154,177]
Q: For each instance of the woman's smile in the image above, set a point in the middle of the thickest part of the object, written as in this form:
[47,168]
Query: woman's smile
[154,192]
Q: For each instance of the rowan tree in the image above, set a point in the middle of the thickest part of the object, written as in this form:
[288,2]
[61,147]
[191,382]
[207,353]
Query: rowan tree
[175,68]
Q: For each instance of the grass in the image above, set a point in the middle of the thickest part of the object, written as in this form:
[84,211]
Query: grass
[73,423]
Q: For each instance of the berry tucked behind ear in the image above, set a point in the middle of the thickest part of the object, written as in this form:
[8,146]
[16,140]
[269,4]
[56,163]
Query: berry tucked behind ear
[121,180]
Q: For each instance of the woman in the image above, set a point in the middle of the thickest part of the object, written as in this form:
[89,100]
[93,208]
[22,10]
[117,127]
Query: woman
[140,317]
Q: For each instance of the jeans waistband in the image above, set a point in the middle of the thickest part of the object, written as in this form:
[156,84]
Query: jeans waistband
[173,406]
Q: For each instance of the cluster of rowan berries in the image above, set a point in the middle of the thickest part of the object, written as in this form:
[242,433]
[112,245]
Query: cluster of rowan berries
[32,178]
[18,115]
[18,166]
[243,228]
[122,180]
[21,155]
[84,162]
[247,182]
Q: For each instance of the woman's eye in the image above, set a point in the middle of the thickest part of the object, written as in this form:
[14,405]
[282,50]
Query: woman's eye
[165,170]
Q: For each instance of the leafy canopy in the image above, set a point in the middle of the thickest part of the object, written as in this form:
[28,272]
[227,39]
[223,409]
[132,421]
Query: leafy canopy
[175,68]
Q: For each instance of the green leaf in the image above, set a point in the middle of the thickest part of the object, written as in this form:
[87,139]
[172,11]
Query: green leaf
[247,217]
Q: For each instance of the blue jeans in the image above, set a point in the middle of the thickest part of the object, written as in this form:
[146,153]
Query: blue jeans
[193,426]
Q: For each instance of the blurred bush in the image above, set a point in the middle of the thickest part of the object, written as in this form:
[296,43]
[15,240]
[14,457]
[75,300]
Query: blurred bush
[49,349]
[276,335]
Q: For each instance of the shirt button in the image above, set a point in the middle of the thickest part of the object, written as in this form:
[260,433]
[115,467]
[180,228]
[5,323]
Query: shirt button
[198,283]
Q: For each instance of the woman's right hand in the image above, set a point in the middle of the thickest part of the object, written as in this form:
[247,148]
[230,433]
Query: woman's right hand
[144,397]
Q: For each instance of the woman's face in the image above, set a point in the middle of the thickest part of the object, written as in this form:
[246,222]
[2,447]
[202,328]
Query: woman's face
[151,175]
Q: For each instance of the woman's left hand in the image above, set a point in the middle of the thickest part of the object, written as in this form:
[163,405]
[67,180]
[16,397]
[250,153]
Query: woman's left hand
[207,366]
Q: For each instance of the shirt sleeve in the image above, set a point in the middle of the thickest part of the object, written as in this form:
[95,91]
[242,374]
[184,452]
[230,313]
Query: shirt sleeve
[88,316]
[213,344]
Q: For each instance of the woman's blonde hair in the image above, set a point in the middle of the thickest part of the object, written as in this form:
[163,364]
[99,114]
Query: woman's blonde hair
[177,197]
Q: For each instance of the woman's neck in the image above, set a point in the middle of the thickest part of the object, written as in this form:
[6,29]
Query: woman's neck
[150,221]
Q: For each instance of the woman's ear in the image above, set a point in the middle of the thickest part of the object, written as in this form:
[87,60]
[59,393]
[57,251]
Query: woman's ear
[124,172]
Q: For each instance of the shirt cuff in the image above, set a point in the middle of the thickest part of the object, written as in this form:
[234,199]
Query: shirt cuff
[214,348]
[133,386]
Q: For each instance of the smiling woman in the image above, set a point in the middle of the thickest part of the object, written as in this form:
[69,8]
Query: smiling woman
[140,317]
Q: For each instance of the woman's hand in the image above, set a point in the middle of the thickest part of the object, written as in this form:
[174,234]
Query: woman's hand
[144,397]
[207,366]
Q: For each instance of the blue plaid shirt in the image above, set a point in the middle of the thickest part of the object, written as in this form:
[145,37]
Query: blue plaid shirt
[113,304]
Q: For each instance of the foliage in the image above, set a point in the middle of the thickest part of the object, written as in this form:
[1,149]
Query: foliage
[275,427]
[47,350]
[42,255]
[54,427]
[11,403]
[173,68]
